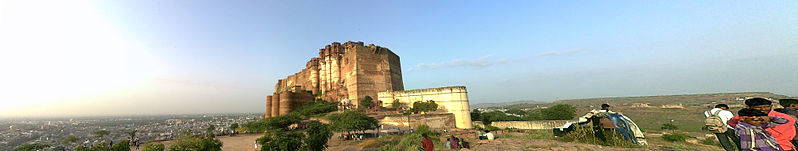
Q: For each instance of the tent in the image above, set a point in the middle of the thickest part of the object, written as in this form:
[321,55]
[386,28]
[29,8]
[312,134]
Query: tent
[623,124]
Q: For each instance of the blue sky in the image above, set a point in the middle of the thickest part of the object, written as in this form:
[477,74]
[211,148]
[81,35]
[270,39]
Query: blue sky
[225,56]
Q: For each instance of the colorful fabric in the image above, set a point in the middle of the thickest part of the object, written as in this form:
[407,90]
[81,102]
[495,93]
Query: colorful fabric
[427,144]
[755,138]
[783,133]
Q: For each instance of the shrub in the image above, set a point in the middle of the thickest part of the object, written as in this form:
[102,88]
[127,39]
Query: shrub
[676,137]
[424,107]
[710,141]
[273,123]
[352,121]
[588,136]
[492,128]
[370,144]
[188,142]
[315,108]
[154,147]
[26,147]
[559,112]
[124,145]
[281,141]
[317,136]
[366,103]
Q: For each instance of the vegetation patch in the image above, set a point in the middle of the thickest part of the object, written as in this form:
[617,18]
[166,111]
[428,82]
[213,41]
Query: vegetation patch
[676,137]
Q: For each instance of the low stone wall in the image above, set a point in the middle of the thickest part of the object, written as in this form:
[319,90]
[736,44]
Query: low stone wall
[530,125]
[434,121]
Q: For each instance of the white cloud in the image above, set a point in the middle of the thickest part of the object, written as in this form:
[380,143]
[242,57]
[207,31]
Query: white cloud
[563,52]
[481,62]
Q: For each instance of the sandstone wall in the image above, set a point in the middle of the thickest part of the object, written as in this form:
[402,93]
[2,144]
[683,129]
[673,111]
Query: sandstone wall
[449,99]
[434,121]
[530,125]
[350,70]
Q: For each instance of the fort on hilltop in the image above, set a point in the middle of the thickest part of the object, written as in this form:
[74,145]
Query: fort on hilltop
[342,72]
[348,72]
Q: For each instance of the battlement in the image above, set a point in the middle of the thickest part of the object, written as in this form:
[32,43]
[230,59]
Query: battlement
[346,71]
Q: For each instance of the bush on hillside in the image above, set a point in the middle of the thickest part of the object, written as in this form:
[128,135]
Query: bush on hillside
[315,108]
[559,112]
[588,136]
[154,147]
[675,137]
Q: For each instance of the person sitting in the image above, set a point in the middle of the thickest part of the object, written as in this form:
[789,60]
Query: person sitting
[489,135]
[751,130]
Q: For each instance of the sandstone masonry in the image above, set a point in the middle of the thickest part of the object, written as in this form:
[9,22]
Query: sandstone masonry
[349,71]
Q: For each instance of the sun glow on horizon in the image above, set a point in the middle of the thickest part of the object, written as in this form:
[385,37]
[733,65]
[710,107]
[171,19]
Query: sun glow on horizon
[64,53]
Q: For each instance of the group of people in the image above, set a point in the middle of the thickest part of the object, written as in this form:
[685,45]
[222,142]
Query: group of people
[757,127]
[453,143]
[456,143]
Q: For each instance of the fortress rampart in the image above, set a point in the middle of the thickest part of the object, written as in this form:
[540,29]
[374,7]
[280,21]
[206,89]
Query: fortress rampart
[342,71]
[449,99]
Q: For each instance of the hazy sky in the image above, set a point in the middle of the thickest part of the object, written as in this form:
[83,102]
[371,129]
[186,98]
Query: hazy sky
[71,58]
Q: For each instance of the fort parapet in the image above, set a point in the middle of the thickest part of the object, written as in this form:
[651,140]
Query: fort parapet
[341,71]
[449,99]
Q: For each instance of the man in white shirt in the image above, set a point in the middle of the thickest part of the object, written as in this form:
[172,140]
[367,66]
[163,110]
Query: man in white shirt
[489,135]
[724,114]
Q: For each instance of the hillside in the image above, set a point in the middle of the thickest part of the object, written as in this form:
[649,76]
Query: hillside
[652,116]
[501,104]
[685,100]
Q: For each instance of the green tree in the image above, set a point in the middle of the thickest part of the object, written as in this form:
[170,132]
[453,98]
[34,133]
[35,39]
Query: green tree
[559,112]
[187,142]
[101,146]
[476,115]
[124,145]
[366,103]
[317,136]
[70,139]
[132,133]
[234,126]
[278,122]
[30,147]
[211,128]
[490,117]
[517,112]
[669,126]
[533,116]
[101,133]
[154,147]
[396,104]
[352,121]
[315,108]
[424,107]
[281,141]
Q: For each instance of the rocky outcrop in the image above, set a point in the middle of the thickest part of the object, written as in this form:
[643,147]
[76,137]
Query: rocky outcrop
[342,71]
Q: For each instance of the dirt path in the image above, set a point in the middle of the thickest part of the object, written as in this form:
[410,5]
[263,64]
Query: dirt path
[543,145]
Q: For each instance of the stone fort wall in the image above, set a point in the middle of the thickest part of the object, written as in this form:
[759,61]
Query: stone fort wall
[342,71]
[449,99]
[434,121]
[530,125]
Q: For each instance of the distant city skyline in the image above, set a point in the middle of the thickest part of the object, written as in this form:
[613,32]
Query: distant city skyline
[89,58]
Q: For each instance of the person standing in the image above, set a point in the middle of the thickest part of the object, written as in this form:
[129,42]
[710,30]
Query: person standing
[751,133]
[790,108]
[783,133]
[605,108]
[725,138]
[427,143]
